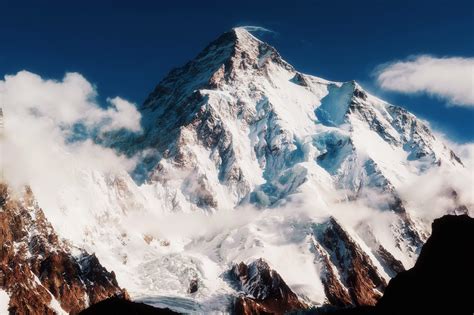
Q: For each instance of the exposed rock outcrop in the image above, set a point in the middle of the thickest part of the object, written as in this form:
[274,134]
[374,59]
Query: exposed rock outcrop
[356,270]
[264,291]
[37,268]
[335,291]
[439,283]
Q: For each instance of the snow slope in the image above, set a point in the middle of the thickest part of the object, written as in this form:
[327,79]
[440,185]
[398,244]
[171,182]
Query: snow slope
[240,158]
[4,300]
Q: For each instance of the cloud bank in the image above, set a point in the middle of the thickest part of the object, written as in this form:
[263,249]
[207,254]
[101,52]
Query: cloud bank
[41,118]
[451,79]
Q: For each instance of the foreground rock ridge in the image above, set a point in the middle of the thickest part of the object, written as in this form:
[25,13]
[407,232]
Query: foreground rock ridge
[120,306]
[263,290]
[258,189]
[438,283]
[442,275]
[38,270]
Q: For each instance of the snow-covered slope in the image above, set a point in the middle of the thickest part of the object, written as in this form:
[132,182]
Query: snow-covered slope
[243,157]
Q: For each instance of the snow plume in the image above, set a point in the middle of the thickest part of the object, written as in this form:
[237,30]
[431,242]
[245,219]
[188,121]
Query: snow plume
[42,117]
[254,28]
[450,78]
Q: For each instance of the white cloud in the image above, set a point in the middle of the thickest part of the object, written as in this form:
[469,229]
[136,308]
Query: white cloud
[451,79]
[465,151]
[39,118]
[122,115]
[254,28]
[65,102]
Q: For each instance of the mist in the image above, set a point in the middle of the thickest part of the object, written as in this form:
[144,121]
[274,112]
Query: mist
[41,117]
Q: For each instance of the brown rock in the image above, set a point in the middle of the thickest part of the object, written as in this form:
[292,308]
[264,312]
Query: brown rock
[264,289]
[358,273]
[335,291]
[36,265]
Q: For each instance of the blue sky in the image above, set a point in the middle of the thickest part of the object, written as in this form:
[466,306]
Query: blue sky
[126,47]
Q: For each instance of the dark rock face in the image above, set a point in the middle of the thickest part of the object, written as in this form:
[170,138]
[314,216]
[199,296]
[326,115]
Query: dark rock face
[264,289]
[193,286]
[35,265]
[118,306]
[443,276]
[391,262]
[440,282]
[335,292]
[358,273]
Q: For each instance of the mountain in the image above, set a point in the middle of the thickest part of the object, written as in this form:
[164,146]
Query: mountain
[244,159]
[40,273]
[259,121]
[442,273]
[263,290]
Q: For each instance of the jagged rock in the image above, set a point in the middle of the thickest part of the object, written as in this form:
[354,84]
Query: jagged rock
[336,293]
[300,79]
[440,281]
[264,291]
[388,260]
[358,273]
[193,286]
[36,266]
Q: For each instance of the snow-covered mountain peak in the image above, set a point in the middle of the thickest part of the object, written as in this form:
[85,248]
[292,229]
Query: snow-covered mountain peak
[243,157]
[234,50]
[238,119]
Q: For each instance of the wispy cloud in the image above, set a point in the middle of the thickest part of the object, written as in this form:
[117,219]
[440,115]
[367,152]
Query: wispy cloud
[449,78]
[40,119]
[255,28]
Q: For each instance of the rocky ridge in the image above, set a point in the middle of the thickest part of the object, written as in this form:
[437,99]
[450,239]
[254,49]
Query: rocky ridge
[38,270]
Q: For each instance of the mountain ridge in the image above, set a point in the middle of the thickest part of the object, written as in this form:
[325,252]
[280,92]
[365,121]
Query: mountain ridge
[242,158]
[40,272]
[436,276]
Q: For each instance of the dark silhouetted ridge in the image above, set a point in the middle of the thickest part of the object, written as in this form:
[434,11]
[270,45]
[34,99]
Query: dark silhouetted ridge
[118,306]
[441,282]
